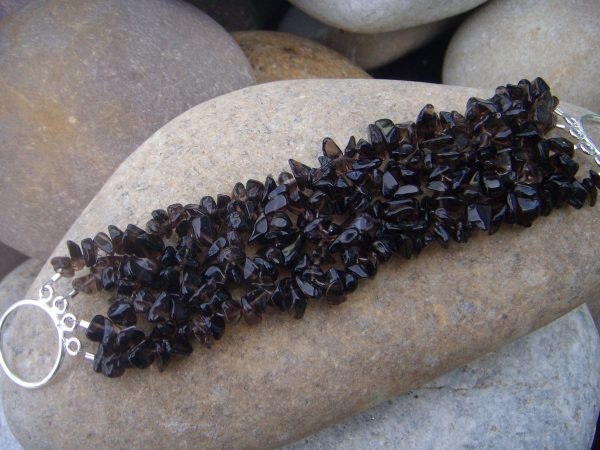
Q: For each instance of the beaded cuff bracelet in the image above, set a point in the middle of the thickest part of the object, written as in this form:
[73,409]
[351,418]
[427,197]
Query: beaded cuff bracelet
[315,233]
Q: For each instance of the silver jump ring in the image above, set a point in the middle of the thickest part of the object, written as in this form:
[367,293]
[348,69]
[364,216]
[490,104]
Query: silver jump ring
[577,129]
[73,346]
[59,355]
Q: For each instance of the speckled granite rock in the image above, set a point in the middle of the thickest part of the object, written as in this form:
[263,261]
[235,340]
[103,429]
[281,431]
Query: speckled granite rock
[380,16]
[541,391]
[278,56]
[268,385]
[561,39]
[82,85]
[366,50]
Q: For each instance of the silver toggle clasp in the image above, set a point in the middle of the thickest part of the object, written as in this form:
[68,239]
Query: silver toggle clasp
[576,128]
[55,306]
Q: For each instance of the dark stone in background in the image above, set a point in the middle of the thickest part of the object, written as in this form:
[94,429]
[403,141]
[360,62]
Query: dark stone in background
[424,64]
[243,15]
[9,259]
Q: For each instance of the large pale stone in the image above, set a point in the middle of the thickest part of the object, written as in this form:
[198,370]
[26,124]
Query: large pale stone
[380,16]
[541,391]
[366,50]
[278,56]
[274,383]
[82,85]
[558,40]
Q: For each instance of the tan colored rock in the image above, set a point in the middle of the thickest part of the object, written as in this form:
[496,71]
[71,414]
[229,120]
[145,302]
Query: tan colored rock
[558,40]
[282,56]
[264,386]
[82,85]
[368,51]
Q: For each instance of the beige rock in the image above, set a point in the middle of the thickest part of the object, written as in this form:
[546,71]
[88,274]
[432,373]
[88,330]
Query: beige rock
[271,384]
[82,85]
[558,40]
[380,16]
[278,56]
[365,50]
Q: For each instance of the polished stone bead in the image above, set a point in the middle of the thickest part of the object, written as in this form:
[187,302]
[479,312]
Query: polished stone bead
[76,255]
[143,354]
[104,243]
[116,237]
[128,338]
[89,252]
[161,308]
[107,363]
[87,284]
[122,313]
[276,204]
[63,265]
[110,278]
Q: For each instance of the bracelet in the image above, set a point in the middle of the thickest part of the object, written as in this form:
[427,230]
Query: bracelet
[315,233]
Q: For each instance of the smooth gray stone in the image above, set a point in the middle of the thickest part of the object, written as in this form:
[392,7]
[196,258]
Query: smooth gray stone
[366,50]
[380,16]
[82,85]
[558,40]
[541,391]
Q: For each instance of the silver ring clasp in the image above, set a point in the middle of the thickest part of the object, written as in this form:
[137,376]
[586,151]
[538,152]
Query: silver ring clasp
[576,128]
[56,308]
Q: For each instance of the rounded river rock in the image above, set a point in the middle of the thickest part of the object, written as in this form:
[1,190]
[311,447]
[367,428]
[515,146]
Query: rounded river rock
[380,16]
[82,85]
[558,40]
[365,50]
[278,56]
[274,383]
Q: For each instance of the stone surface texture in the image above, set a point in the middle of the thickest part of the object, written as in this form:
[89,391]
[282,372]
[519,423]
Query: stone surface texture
[278,56]
[10,6]
[380,16]
[82,85]
[541,391]
[14,285]
[366,50]
[559,41]
[279,381]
